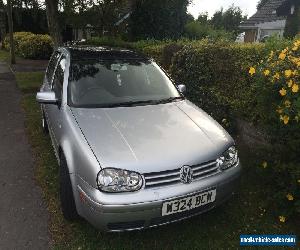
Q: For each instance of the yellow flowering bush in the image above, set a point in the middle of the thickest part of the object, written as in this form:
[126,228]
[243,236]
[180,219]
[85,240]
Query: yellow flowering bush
[276,80]
[280,71]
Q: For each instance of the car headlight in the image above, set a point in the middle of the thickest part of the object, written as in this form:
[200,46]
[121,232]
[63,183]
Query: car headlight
[228,159]
[114,180]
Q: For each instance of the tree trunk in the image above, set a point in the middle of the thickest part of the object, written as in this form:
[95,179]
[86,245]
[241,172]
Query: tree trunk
[53,22]
[11,33]
[2,23]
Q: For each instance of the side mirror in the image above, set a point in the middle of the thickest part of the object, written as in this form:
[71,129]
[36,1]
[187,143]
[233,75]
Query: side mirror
[181,88]
[46,98]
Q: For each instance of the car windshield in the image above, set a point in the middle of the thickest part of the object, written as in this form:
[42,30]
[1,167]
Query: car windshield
[95,83]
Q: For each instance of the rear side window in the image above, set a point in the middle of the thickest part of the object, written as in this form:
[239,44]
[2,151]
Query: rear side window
[51,66]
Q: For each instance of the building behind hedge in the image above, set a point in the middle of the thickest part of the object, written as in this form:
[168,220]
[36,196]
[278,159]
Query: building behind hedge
[270,19]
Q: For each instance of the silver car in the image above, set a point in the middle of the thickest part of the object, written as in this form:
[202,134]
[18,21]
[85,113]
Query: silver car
[134,153]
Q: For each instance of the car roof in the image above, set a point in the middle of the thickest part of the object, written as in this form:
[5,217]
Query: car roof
[103,53]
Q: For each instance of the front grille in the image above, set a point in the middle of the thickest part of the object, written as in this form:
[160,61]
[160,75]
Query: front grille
[170,177]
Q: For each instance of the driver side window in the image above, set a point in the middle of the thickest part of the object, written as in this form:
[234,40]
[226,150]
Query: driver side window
[58,81]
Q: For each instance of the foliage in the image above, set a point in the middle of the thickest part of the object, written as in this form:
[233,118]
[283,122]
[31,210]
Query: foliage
[198,30]
[203,18]
[18,37]
[30,19]
[29,45]
[279,74]
[158,19]
[292,27]
[228,20]
[36,47]
[221,91]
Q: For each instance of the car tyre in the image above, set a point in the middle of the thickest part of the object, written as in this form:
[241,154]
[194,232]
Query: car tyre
[67,201]
[44,123]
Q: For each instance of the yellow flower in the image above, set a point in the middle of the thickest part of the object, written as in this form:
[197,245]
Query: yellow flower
[295,48]
[282,55]
[288,73]
[277,76]
[282,218]
[290,83]
[252,71]
[282,92]
[298,181]
[287,103]
[279,110]
[286,119]
[267,72]
[297,43]
[290,197]
[264,164]
[295,88]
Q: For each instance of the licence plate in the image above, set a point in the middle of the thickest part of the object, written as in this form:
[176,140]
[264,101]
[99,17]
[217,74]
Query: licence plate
[188,203]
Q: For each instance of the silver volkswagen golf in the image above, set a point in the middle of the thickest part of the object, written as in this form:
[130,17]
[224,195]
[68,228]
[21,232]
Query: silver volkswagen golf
[133,152]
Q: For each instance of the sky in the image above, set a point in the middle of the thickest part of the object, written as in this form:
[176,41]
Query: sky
[211,6]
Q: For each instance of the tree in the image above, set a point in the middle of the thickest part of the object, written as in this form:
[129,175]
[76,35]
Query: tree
[159,19]
[228,20]
[203,18]
[2,23]
[11,33]
[292,27]
[53,21]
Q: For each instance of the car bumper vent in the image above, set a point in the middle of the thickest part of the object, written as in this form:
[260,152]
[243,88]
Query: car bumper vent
[123,226]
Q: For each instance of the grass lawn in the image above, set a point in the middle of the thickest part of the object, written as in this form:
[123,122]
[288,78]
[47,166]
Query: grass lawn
[247,213]
[4,55]
[29,81]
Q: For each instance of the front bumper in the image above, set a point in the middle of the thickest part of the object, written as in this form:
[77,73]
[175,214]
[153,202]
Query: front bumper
[142,209]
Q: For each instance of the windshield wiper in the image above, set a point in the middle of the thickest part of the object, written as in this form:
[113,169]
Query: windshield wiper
[130,104]
[171,99]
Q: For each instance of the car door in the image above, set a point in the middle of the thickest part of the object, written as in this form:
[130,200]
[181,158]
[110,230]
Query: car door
[54,112]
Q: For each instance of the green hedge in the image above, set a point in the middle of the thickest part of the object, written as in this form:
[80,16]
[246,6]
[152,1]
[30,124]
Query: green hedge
[217,80]
[31,46]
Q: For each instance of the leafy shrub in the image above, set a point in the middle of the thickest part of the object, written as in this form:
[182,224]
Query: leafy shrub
[215,78]
[18,37]
[36,47]
[198,30]
[31,46]
[279,74]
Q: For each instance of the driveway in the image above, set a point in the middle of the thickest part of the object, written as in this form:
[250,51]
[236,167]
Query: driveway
[23,213]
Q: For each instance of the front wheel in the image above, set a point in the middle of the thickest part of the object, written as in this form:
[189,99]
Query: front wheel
[67,201]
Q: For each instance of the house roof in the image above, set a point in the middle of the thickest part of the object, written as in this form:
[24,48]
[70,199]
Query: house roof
[267,13]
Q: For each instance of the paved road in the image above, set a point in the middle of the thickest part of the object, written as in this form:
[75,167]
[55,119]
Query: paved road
[23,214]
